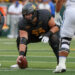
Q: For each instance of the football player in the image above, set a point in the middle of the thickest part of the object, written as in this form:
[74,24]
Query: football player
[36,26]
[66,32]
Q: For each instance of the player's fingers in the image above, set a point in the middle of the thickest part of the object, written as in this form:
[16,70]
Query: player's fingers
[19,57]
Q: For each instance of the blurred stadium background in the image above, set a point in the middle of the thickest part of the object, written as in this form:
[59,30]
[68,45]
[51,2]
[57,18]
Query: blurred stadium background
[41,60]
[5,5]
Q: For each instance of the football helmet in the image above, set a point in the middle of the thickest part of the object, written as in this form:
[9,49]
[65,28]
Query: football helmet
[29,8]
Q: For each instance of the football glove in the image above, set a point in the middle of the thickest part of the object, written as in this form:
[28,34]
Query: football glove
[45,39]
[58,19]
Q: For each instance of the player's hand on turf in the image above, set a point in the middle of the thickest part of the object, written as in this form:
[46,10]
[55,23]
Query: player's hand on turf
[45,39]
[58,19]
[18,59]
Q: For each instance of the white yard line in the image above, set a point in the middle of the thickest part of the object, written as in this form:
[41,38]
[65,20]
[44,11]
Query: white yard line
[32,56]
[8,43]
[47,69]
[32,69]
[8,69]
[35,50]
[34,61]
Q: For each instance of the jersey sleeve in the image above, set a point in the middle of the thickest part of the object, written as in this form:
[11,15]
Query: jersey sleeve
[46,16]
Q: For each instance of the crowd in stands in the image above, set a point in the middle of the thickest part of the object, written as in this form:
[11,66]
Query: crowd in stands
[22,0]
[18,4]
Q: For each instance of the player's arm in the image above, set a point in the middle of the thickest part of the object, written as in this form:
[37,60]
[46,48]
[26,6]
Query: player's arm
[53,29]
[59,4]
[23,41]
[21,60]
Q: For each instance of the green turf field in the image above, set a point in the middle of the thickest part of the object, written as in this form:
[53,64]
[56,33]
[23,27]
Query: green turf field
[41,60]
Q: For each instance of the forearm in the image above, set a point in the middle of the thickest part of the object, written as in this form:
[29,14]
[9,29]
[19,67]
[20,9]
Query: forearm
[59,4]
[22,47]
[23,42]
[54,29]
[53,26]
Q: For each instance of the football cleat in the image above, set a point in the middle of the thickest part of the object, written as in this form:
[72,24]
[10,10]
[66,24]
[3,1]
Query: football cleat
[60,69]
[14,66]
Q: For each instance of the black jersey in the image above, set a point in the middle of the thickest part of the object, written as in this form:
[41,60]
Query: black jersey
[41,26]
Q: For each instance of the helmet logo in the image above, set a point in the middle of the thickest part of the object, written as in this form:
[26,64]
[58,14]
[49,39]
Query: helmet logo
[34,7]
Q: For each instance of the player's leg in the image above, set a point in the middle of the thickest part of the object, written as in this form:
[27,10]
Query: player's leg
[67,31]
[54,43]
[63,53]
[64,49]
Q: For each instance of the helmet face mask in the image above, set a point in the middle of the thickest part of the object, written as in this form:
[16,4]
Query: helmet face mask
[28,10]
[28,17]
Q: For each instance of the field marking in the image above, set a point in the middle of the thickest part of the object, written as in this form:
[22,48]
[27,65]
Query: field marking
[8,69]
[6,40]
[72,49]
[7,52]
[30,69]
[37,50]
[28,50]
[29,61]
[33,56]
[16,69]
[47,69]
[34,61]
[9,43]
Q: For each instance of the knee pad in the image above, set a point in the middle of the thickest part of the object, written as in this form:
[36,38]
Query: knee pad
[54,40]
[65,44]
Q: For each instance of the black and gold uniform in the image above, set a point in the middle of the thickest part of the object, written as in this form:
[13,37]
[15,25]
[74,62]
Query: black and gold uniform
[35,30]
